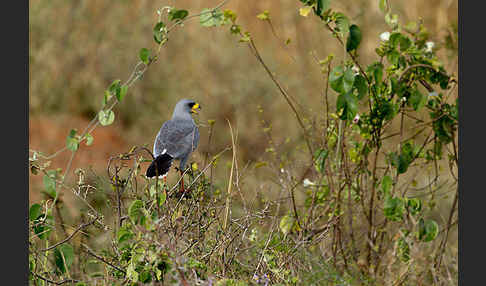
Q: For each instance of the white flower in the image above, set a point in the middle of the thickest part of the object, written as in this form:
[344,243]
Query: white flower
[429,46]
[282,170]
[385,36]
[308,182]
[356,119]
[355,69]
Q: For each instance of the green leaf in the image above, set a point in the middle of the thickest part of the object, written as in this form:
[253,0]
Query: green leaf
[211,18]
[286,224]
[394,208]
[414,205]
[114,87]
[354,38]
[405,43]
[417,99]
[340,80]
[123,92]
[145,276]
[89,139]
[144,55]
[320,160]
[162,198]
[72,143]
[386,185]
[106,117]
[428,230]
[135,211]
[322,6]
[342,24]
[124,234]
[361,86]
[64,257]
[401,162]
[42,226]
[49,181]
[179,15]
[375,70]
[347,103]
[132,274]
[159,32]
[35,211]
[106,97]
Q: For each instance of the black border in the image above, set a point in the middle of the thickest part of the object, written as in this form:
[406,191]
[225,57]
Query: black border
[15,141]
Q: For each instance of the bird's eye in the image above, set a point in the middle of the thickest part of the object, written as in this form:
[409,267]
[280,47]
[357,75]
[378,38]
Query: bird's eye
[191,104]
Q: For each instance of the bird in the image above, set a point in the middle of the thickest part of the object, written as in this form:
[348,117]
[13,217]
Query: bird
[176,140]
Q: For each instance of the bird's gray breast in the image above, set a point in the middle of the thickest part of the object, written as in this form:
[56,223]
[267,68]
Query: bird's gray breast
[177,137]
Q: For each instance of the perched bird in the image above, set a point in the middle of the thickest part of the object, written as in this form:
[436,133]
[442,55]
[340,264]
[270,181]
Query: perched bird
[177,139]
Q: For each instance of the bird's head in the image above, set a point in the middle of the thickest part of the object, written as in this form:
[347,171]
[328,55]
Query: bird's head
[186,106]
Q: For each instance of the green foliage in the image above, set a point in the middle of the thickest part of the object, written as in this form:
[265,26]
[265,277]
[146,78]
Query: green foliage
[35,211]
[414,205]
[159,32]
[135,212]
[49,181]
[386,185]
[106,117]
[320,160]
[394,208]
[144,55]
[341,79]
[89,139]
[72,142]
[354,38]
[211,17]
[177,15]
[64,257]
[347,106]
[322,6]
[428,230]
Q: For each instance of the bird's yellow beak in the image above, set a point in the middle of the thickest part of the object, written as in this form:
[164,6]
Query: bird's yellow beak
[195,108]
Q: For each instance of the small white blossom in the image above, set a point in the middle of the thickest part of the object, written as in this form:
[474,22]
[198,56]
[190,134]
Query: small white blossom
[404,99]
[429,46]
[355,69]
[356,119]
[308,182]
[282,170]
[385,36]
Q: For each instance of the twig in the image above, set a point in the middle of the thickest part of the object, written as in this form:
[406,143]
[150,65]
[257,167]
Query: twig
[72,234]
[55,282]
[91,252]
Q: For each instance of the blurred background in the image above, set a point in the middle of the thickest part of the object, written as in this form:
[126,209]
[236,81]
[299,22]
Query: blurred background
[77,48]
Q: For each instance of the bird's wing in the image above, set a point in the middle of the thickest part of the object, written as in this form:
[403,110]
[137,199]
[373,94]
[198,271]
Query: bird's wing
[176,138]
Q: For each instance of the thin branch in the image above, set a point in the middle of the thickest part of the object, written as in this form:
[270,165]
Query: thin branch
[55,282]
[91,252]
[84,225]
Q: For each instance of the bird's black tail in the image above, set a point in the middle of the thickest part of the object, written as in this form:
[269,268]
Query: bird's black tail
[160,166]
